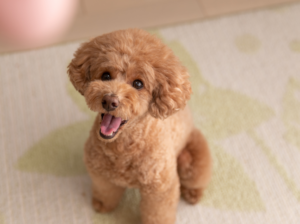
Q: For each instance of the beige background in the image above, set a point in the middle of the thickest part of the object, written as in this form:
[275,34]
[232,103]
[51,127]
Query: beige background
[96,17]
[100,16]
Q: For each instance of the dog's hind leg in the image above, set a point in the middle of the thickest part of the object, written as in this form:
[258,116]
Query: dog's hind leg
[194,166]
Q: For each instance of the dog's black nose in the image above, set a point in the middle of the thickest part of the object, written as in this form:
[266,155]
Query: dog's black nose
[110,103]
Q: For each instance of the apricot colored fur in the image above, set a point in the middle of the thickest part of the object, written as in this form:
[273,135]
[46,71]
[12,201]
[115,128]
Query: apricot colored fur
[158,150]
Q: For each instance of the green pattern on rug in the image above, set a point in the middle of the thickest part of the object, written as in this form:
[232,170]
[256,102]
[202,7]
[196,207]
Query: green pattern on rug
[295,46]
[62,148]
[276,164]
[229,114]
[60,153]
[1,219]
[230,187]
[247,44]
[218,112]
[291,112]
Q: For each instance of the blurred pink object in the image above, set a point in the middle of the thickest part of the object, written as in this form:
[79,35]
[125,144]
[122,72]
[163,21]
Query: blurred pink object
[34,23]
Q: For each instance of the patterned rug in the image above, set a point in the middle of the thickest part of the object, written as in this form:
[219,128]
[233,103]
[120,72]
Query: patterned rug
[245,74]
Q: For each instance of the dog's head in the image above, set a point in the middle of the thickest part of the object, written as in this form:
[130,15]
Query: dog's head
[126,74]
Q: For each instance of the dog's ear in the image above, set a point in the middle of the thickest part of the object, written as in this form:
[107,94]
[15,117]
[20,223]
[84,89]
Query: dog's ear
[172,91]
[79,68]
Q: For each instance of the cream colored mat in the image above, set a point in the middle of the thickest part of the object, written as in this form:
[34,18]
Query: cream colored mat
[245,73]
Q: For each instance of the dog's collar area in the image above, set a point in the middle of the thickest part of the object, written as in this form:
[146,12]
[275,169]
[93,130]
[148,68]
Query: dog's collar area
[110,125]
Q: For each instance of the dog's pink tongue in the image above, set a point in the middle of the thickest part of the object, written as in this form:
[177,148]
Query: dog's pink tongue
[110,124]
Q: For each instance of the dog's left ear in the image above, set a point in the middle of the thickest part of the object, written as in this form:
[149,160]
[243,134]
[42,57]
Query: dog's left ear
[172,92]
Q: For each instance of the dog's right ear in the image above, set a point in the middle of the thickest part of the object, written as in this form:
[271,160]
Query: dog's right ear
[79,68]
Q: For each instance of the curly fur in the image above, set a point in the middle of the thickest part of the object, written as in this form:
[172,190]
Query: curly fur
[158,149]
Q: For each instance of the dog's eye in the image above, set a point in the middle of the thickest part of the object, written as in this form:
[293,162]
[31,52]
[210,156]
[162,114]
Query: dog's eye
[105,76]
[137,84]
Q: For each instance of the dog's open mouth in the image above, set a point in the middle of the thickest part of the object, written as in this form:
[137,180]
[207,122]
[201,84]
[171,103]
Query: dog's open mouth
[110,125]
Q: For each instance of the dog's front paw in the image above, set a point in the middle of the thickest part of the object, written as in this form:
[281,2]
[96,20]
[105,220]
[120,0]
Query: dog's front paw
[99,206]
[192,196]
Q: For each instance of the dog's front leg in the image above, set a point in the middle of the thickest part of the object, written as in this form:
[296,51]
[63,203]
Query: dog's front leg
[106,195]
[159,205]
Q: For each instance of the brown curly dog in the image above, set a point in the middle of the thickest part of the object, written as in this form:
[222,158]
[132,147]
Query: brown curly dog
[143,136]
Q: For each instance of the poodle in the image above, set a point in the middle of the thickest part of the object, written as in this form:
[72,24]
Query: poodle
[143,136]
